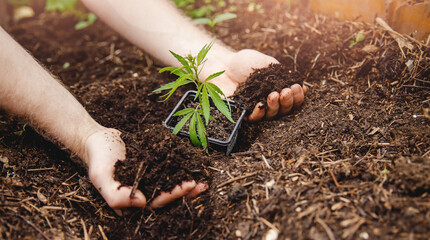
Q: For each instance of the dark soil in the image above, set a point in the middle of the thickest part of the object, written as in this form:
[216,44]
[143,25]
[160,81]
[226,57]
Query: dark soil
[352,163]
[264,81]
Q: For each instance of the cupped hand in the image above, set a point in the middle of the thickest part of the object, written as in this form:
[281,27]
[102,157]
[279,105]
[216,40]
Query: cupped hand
[102,149]
[239,65]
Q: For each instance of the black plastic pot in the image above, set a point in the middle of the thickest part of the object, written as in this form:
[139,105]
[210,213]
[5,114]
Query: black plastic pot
[224,146]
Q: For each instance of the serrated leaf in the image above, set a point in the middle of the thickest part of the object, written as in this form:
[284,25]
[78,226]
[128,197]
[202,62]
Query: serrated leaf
[181,123]
[193,134]
[201,131]
[183,112]
[179,82]
[212,76]
[219,103]
[218,90]
[171,85]
[199,89]
[173,70]
[183,61]
[203,52]
[205,104]
[224,17]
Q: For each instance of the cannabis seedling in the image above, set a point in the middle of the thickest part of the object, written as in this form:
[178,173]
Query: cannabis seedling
[358,38]
[217,19]
[189,73]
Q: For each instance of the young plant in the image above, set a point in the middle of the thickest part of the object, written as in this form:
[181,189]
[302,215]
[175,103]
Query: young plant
[358,38]
[189,73]
[70,6]
[214,21]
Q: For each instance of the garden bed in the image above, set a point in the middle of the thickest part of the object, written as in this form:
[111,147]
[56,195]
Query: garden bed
[351,163]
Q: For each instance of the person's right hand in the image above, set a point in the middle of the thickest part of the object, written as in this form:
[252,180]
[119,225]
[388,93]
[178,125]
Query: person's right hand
[102,149]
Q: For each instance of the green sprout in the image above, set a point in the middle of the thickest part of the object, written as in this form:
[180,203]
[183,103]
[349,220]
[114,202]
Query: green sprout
[212,22]
[189,73]
[358,38]
[70,6]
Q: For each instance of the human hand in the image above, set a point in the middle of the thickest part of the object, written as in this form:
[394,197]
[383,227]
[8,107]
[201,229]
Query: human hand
[102,149]
[238,66]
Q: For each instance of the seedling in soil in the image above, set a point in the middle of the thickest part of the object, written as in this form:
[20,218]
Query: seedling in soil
[70,6]
[358,38]
[189,73]
[212,22]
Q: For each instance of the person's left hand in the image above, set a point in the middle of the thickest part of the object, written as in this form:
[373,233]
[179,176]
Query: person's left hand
[103,148]
[238,66]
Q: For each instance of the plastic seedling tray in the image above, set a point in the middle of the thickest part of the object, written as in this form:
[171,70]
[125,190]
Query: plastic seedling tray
[220,145]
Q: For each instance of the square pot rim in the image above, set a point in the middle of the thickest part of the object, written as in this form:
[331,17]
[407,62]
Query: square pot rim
[210,139]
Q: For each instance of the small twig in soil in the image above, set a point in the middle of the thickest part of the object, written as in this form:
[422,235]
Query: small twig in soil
[334,180]
[33,226]
[138,177]
[326,228]
[244,153]
[269,224]
[102,233]
[86,237]
[236,179]
[266,162]
[412,86]
[40,169]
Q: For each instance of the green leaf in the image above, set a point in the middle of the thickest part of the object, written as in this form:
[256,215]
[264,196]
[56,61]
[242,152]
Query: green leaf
[201,131]
[91,18]
[212,76]
[220,92]
[224,17]
[359,37]
[203,52]
[219,103]
[179,82]
[171,85]
[193,134]
[205,104]
[183,61]
[61,5]
[173,70]
[181,123]
[202,20]
[183,112]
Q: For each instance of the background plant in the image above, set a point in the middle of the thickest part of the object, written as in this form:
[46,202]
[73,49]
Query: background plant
[204,8]
[189,73]
[212,22]
[74,7]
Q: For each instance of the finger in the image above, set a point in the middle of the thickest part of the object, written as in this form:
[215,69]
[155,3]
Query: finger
[298,95]
[305,89]
[258,113]
[177,192]
[116,196]
[287,100]
[272,105]
[200,187]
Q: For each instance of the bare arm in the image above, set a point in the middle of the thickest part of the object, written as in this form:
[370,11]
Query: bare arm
[28,90]
[157,26]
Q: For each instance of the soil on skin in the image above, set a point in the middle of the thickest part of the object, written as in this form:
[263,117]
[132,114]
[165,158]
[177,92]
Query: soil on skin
[351,163]
[264,81]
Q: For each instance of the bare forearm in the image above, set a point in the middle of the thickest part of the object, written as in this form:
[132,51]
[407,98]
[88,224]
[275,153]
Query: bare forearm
[155,26]
[28,90]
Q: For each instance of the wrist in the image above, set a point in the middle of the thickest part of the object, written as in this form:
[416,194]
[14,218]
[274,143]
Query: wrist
[83,140]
